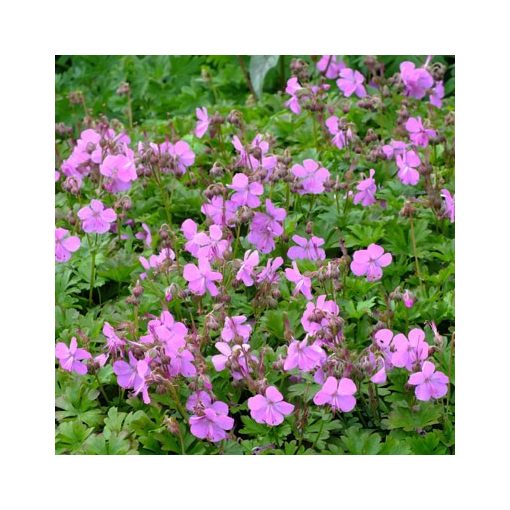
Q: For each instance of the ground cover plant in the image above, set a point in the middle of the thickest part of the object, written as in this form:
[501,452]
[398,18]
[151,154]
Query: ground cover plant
[254,255]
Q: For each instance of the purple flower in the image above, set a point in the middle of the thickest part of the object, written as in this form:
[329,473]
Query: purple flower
[212,246]
[351,82]
[181,359]
[329,65]
[246,193]
[337,393]
[307,248]
[265,227]
[408,299]
[319,316]
[292,88]
[416,81]
[235,357]
[114,344]
[366,191]
[95,218]
[302,283]
[269,274]
[303,356]
[201,279]
[250,262]
[70,357]
[190,230]
[409,351]
[370,262]
[65,244]
[145,235]
[437,94]
[88,144]
[165,329]
[449,204]
[418,134]
[407,164]
[202,123]
[212,422]
[180,156]
[235,327]
[220,212]
[311,177]
[429,383]
[119,171]
[133,375]
[198,399]
[269,409]
[340,138]
[394,148]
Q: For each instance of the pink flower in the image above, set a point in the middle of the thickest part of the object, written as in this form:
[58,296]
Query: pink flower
[246,193]
[88,144]
[416,81]
[303,356]
[235,328]
[70,357]
[250,262]
[133,375]
[366,191]
[292,88]
[319,316]
[302,283]
[65,244]
[418,134]
[449,204]
[307,248]
[220,212]
[202,123]
[145,235]
[429,383]
[212,422]
[198,400]
[337,393]
[370,262]
[164,330]
[437,94]
[95,218]
[407,164]
[201,279]
[212,246]
[156,261]
[180,156]
[120,171]
[408,299]
[114,344]
[340,138]
[181,358]
[394,148]
[409,352]
[190,230]
[351,82]
[269,409]
[269,274]
[235,357]
[333,68]
[311,177]
[266,227]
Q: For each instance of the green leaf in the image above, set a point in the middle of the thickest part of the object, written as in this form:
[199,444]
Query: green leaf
[359,442]
[422,416]
[259,67]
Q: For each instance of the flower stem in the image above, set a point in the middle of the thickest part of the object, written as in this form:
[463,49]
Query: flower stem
[415,251]
[92,271]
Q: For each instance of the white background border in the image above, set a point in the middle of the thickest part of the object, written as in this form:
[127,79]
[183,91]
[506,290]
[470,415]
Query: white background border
[33,32]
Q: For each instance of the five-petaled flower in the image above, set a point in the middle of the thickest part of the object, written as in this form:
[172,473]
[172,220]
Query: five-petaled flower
[416,81]
[302,283]
[370,262]
[235,327]
[95,218]
[307,248]
[410,351]
[248,265]
[407,164]
[201,279]
[429,383]
[366,191]
[311,177]
[303,356]
[449,204]
[270,408]
[337,393]
[246,193]
[133,375]
[70,358]
[351,82]
[119,171]
[419,134]
[212,422]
